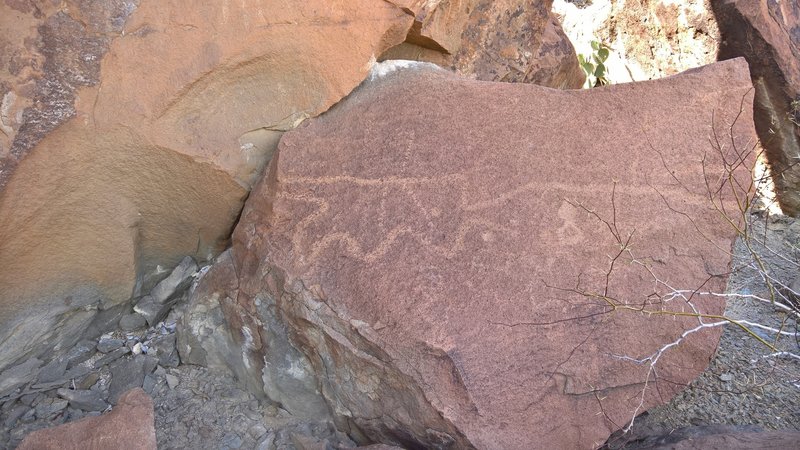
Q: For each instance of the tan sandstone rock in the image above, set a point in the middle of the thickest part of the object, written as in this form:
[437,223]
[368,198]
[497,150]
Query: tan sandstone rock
[767,34]
[433,248]
[132,132]
[129,426]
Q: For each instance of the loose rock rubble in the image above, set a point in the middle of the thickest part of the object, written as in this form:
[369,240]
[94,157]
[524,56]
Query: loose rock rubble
[88,380]
[194,407]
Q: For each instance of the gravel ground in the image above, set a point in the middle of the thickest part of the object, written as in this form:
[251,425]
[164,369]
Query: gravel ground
[195,408]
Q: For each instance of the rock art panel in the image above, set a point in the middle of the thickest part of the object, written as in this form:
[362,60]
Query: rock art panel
[462,268]
[767,34]
[132,132]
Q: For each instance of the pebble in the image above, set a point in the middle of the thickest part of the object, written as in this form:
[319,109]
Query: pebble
[149,384]
[30,399]
[231,440]
[726,377]
[53,371]
[15,415]
[50,407]
[89,381]
[82,351]
[267,442]
[83,399]
[257,430]
[172,381]
[126,374]
[108,345]
[131,322]
[111,357]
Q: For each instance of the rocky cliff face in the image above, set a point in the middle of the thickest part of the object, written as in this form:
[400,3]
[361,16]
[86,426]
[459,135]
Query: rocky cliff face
[506,40]
[767,34]
[419,261]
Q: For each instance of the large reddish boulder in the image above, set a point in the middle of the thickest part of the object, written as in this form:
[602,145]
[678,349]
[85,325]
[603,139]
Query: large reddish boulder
[767,34]
[454,265]
[129,426]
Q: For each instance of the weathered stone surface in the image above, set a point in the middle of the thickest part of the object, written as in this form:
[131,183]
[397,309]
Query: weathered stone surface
[16,376]
[767,34]
[649,39]
[203,337]
[518,40]
[48,51]
[122,154]
[426,252]
[86,400]
[128,374]
[106,345]
[437,25]
[164,348]
[179,279]
[506,40]
[128,426]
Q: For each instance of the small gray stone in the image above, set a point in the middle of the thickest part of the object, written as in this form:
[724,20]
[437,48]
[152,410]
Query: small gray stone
[231,440]
[257,430]
[29,416]
[76,372]
[125,375]
[31,399]
[89,381]
[73,414]
[49,407]
[14,377]
[108,345]
[53,371]
[84,400]
[726,377]
[267,443]
[131,322]
[160,371]
[172,381]
[166,351]
[149,384]
[111,357]
[178,280]
[150,364]
[15,415]
[128,374]
[48,386]
[81,352]
[151,310]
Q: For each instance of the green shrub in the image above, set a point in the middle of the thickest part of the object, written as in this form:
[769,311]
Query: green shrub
[594,65]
